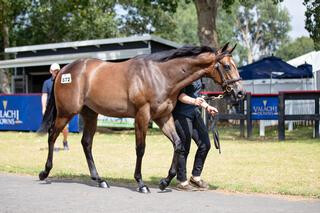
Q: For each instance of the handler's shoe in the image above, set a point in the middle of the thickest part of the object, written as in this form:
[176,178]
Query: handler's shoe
[200,184]
[65,145]
[187,187]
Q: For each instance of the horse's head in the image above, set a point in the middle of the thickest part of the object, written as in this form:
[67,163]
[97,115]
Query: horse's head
[224,71]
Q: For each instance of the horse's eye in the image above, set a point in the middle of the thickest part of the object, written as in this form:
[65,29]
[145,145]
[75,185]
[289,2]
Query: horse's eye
[227,67]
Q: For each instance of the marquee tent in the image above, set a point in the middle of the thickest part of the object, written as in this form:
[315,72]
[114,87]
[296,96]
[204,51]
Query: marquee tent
[274,67]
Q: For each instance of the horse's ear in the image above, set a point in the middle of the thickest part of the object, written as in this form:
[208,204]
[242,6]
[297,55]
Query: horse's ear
[231,50]
[224,48]
[219,55]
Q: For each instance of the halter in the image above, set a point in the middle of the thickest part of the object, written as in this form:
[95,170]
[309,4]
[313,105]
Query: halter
[226,83]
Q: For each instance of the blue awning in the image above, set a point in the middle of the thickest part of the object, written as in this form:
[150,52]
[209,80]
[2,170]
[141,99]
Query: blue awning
[264,68]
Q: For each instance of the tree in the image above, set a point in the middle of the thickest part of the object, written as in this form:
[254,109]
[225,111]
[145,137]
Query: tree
[207,15]
[228,33]
[262,28]
[313,20]
[10,12]
[67,20]
[185,18]
[151,17]
[295,48]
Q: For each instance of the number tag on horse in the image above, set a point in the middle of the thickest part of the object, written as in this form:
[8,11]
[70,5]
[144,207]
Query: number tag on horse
[66,78]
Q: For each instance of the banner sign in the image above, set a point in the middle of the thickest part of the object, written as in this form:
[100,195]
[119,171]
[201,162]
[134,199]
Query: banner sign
[264,108]
[105,121]
[23,113]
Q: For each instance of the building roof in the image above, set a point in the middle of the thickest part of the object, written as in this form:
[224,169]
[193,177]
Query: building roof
[104,49]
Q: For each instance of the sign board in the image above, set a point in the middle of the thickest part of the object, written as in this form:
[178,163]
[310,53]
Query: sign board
[23,113]
[264,108]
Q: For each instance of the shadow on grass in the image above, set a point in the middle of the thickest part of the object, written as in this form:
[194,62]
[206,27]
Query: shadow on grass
[129,184]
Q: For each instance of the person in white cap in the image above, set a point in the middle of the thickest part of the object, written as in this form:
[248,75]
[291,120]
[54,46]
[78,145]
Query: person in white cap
[46,92]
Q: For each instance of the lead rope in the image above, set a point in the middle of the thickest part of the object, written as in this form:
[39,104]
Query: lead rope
[213,126]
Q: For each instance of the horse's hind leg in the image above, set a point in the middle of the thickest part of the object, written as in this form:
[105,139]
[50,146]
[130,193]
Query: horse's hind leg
[89,129]
[167,126]
[141,126]
[54,132]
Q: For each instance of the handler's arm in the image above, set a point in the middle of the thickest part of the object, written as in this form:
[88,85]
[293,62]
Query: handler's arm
[44,98]
[184,98]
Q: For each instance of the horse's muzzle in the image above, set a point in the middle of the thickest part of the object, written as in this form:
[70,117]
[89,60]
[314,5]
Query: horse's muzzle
[236,93]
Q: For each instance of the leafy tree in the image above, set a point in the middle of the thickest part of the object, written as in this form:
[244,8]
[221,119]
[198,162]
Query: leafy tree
[227,32]
[152,17]
[207,15]
[67,20]
[10,13]
[262,28]
[186,24]
[295,48]
[313,20]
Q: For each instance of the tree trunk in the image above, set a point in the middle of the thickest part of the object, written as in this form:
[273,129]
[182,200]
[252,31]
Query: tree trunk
[207,13]
[207,31]
[250,55]
[4,76]
[208,36]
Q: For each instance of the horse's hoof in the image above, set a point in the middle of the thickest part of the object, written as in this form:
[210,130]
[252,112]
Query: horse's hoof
[104,184]
[144,189]
[163,184]
[43,175]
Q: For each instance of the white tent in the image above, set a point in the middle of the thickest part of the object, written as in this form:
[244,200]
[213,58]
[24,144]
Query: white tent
[312,58]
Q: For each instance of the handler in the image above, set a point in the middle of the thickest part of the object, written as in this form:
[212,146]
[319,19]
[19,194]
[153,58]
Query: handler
[189,124]
[46,92]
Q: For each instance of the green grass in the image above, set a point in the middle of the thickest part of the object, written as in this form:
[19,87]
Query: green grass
[264,166]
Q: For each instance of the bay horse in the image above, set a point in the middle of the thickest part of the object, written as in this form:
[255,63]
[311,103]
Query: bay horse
[145,87]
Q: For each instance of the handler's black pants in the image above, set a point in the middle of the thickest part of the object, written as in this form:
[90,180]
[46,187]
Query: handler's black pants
[187,128]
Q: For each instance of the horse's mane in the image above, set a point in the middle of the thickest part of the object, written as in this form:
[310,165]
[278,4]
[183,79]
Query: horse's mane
[185,51]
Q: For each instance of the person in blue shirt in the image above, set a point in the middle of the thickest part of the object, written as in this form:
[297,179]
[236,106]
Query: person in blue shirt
[190,125]
[46,92]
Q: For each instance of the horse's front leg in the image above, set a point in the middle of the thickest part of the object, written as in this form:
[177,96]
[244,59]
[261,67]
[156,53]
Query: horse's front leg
[141,126]
[168,128]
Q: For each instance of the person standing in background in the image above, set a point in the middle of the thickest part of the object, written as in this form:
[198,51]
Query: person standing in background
[46,92]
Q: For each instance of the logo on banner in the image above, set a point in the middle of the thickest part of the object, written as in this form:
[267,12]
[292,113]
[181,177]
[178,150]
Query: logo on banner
[9,117]
[265,103]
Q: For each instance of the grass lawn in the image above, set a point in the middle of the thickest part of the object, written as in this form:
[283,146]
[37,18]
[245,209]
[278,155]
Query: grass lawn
[265,166]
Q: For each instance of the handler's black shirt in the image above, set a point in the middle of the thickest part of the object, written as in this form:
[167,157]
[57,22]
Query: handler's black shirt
[188,110]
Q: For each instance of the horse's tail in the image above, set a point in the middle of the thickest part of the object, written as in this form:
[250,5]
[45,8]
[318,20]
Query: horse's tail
[50,114]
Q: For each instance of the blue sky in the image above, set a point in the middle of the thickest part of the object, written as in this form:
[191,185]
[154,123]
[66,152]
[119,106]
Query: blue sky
[296,10]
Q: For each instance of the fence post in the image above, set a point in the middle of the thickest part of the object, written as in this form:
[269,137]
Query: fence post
[249,121]
[242,120]
[281,123]
[316,122]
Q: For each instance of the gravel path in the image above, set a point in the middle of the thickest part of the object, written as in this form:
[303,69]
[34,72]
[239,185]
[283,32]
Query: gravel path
[27,194]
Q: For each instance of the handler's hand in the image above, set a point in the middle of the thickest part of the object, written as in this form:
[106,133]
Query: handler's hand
[198,101]
[212,110]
